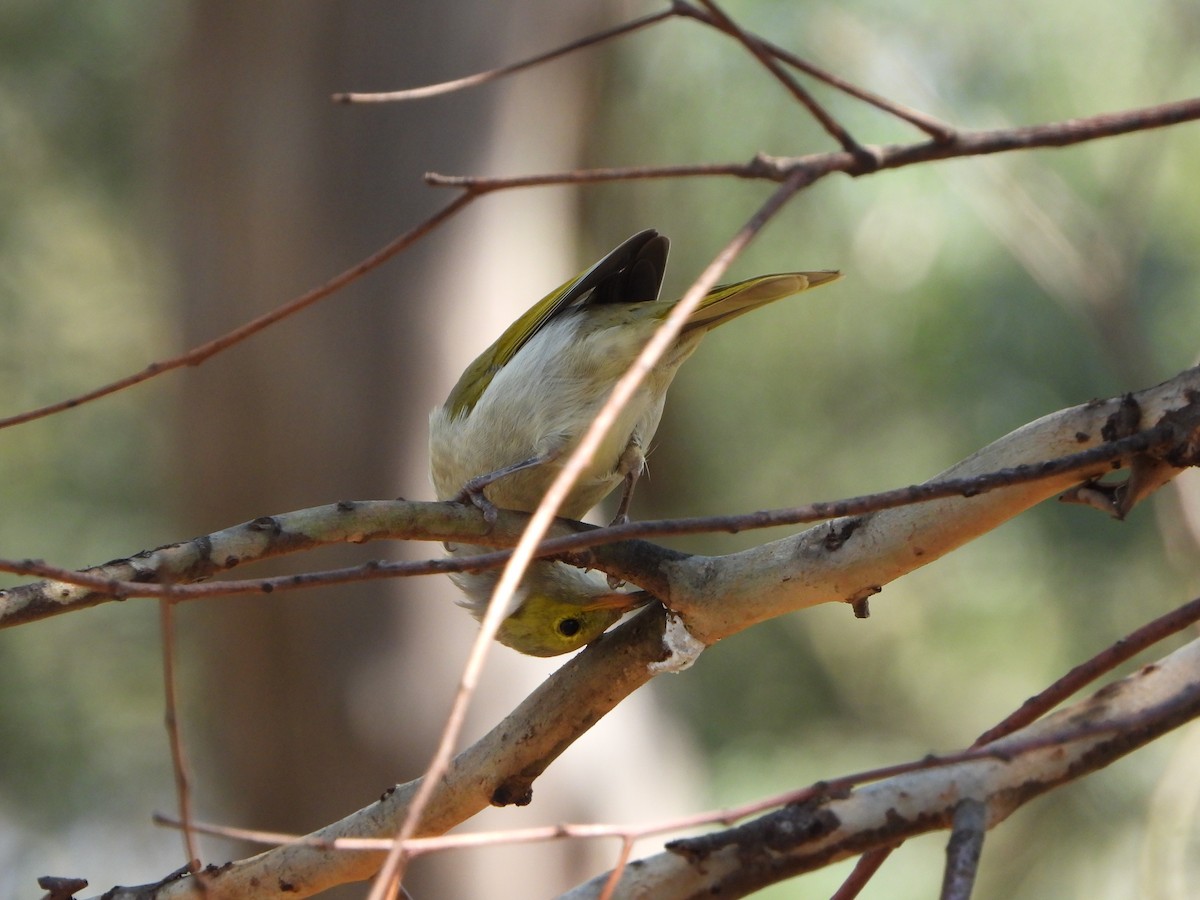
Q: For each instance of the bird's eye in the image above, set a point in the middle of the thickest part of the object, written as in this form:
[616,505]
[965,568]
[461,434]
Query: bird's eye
[569,627]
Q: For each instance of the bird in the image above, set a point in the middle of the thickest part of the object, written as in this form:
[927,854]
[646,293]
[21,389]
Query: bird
[520,409]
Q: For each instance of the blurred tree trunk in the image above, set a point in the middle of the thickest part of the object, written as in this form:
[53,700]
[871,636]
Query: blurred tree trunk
[314,702]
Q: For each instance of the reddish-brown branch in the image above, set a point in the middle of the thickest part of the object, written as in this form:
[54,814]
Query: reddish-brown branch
[763,54]
[458,84]
[935,128]
[179,764]
[890,156]
[930,125]
[480,184]
[1087,672]
[864,870]
[198,355]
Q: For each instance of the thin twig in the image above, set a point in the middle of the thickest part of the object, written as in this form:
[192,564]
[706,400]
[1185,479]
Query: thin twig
[179,764]
[932,126]
[458,84]
[935,128]
[763,54]
[614,878]
[890,156]
[483,184]
[864,870]
[201,353]
[1105,661]
[969,143]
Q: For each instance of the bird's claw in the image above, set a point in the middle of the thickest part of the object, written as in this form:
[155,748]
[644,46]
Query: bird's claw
[473,494]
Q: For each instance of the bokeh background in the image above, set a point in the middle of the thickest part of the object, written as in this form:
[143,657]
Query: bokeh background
[168,170]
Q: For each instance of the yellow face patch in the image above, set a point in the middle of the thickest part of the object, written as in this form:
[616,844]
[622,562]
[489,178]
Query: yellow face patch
[547,626]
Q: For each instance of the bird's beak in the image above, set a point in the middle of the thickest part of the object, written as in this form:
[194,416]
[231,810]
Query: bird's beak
[622,601]
[816,279]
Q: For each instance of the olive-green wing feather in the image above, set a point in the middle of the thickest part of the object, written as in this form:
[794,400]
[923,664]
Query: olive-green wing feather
[728,301]
[625,274]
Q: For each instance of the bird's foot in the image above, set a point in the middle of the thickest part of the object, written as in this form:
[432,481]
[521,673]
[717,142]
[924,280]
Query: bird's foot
[473,493]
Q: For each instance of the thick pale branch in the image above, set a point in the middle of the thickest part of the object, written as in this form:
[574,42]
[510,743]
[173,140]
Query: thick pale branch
[499,769]
[1149,441]
[259,539]
[173,570]
[1090,735]
[1023,477]
[851,559]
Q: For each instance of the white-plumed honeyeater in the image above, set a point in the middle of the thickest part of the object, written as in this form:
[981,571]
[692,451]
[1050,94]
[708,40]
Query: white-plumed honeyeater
[520,409]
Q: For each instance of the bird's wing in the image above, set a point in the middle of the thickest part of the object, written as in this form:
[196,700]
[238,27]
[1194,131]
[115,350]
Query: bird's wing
[630,272]
[728,301]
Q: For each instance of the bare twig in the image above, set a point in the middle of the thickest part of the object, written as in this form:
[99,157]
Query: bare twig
[763,54]
[773,168]
[614,878]
[458,84]
[754,169]
[890,156]
[864,870]
[679,8]
[179,764]
[935,128]
[203,352]
[1085,673]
